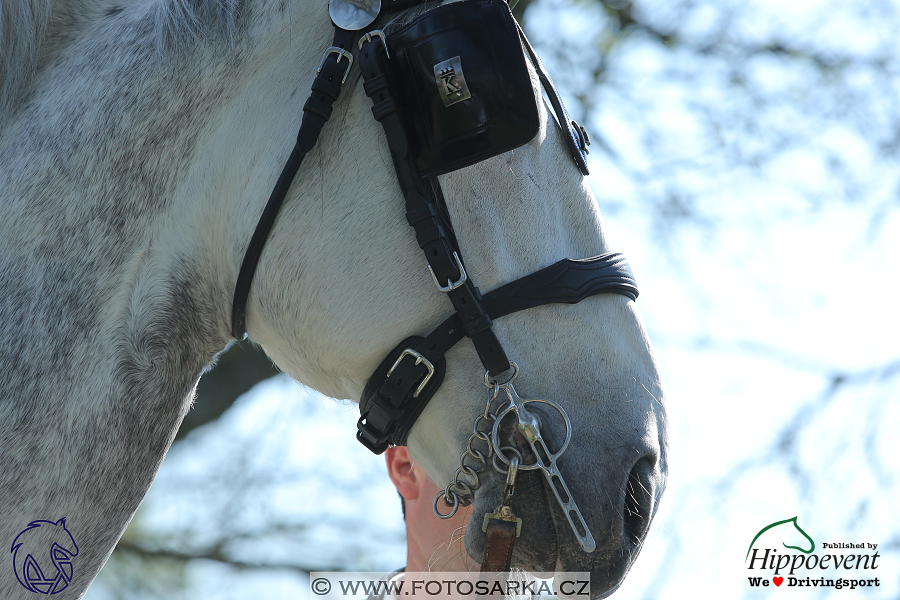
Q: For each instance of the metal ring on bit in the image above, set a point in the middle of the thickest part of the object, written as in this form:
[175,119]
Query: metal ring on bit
[491,382]
[452,511]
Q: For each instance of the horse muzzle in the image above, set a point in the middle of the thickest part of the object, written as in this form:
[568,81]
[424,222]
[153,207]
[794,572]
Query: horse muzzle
[618,514]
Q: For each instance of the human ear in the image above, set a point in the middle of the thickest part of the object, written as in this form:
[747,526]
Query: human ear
[401,471]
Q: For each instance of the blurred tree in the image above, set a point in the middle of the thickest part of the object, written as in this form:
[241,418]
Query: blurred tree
[238,369]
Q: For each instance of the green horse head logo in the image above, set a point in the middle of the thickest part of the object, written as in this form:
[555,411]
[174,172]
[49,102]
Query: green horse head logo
[812,544]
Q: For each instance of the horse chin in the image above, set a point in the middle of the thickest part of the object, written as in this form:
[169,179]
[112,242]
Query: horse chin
[548,547]
[617,547]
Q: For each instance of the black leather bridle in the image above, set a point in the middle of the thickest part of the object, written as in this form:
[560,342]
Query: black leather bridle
[410,375]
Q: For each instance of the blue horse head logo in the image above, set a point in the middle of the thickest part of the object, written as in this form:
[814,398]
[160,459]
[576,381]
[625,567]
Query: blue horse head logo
[42,556]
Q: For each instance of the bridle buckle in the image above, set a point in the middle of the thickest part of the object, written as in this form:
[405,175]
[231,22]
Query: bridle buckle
[341,53]
[375,33]
[419,360]
[451,285]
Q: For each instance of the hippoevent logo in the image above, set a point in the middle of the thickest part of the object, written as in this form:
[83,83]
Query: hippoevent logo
[836,564]
[42,556]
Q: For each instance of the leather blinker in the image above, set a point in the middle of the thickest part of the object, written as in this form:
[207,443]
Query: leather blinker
[467,94]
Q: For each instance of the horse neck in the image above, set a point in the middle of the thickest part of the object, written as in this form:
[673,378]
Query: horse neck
[91,166]
[115,263]
[122,200]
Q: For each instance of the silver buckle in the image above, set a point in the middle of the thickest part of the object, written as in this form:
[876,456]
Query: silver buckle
[504,514]
[373,34]
[419,360]
[451,285]
[341,54]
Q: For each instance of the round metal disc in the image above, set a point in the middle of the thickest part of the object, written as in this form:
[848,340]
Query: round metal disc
[353,15]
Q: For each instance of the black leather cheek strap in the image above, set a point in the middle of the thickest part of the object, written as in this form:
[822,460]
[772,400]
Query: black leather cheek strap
[421,197]
[389,406]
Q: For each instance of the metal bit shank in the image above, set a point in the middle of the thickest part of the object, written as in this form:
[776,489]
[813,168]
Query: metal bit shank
[529,426]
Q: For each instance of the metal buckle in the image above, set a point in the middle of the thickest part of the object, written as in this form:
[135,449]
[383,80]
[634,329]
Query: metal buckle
[419,360]
[341,53]
[451,285]
[583,137]
[373,34]
[504,514]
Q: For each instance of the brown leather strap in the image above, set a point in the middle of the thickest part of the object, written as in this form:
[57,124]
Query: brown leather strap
[498,545]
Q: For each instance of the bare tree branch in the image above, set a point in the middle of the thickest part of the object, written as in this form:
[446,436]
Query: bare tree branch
[214,554]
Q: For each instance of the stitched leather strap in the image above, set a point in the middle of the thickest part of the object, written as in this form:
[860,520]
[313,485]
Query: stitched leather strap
[499,541]
[421,210]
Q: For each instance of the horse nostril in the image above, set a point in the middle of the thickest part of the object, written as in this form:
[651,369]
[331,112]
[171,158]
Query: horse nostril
[638,508]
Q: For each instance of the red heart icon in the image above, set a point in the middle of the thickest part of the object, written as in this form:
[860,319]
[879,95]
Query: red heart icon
[778,580]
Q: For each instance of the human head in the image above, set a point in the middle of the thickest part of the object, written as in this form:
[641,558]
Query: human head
[433,544]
